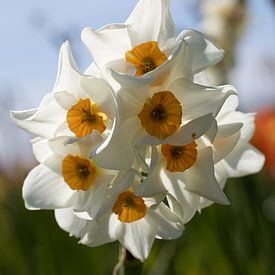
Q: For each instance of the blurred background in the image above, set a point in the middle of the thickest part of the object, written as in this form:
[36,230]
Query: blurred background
[222,240]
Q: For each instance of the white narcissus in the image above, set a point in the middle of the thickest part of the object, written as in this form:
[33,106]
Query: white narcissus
[243,159]
[173,113]
[132,220]
[141,47]
[132,149]
[230,155]
[66,177]
[78,105]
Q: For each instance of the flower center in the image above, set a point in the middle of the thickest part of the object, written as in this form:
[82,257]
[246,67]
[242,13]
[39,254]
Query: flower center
[129,207]
[84,117]
[161,115]
[179,158]
[148,64]
[145,57]
[158,113]
[78,173]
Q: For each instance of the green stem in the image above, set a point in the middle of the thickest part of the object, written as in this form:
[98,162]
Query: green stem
[119,267]
[132,265]
[127,264]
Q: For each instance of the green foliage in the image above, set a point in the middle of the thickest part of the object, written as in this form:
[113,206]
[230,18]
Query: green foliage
[222,240]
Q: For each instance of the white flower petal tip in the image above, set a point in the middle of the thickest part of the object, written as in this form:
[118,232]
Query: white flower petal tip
[226,130]
[244,160]
[186,133]
[44,189]
[130,80]
[201,179]
[19,117]
[154,24]
[207,52]
[109,43]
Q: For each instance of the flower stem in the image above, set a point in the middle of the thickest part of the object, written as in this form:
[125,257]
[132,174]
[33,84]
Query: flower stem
[119,267]
[127,264]
[132,265]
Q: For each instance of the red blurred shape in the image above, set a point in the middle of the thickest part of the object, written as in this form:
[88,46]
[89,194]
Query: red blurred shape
[264,137]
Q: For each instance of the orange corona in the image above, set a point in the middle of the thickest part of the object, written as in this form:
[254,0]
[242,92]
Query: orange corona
[78,173]
[129,207]
[179,158]
[161,115]
[145,57]
[83,118]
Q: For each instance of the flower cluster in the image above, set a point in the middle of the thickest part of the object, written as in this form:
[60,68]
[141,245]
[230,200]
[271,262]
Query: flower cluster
[134,147]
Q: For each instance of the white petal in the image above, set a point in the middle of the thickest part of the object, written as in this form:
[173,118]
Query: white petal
[38,121]
[169,225]
[207,53]
[129,80]
[226,130]
[106,44]
[212,131]
[137,237]
[185,134]
[93,70]
[98,194]
[188,201]
[231,104]
[244,160]
[152,184]
[221,175]
[247,119]
[45,189]
[119,153]
[68,76]
[200,178]
[199,100]
[223,146]
[65,99]
[100,93]
[100,233]
[54,163]
[151,21]
[121,183]
[68,221]
[41,149]
[130,101]
[201,78]
[63,146]
[177,65]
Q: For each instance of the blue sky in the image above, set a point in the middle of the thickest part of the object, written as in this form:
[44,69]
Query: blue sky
[34,29]
[31,32]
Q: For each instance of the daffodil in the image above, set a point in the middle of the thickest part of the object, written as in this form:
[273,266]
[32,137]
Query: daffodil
[133,220]
[174,112]
[195,174]
[78,105]
[243,158]
[66,177]
[146,43]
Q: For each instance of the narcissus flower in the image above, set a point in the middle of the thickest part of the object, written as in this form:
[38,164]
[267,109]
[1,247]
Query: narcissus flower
[66,177]
[134,147]
[146,42]
[132,220]
[78,105]
[195,174]
[171,113]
